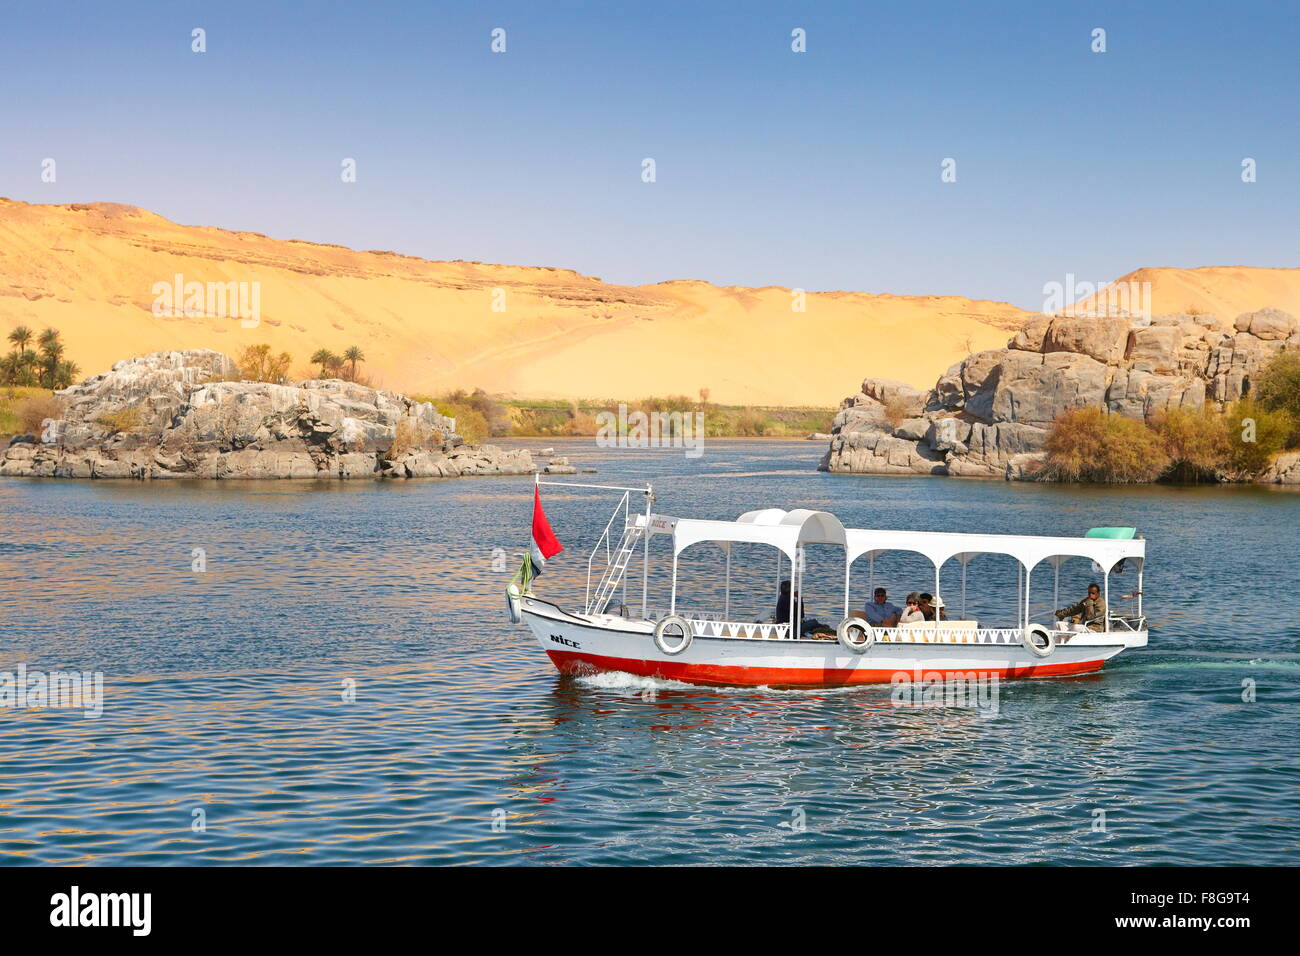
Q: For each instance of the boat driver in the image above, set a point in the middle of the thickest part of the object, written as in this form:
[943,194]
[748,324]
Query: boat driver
[1090,611]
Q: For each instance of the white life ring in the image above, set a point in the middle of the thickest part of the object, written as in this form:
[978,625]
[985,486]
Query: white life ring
[673,620]
[844,634]
[1028,638]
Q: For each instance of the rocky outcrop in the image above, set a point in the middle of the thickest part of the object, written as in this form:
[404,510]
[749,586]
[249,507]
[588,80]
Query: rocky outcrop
[1285,470]
[184,415]
[988,416]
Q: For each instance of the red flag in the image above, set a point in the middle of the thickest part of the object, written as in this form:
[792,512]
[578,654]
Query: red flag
[545,543]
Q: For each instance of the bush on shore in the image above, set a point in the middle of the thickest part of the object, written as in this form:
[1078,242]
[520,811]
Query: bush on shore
[1197,441]
[1184,445]
[32,412]
[1256,434]
[1277,388]
[1086,444]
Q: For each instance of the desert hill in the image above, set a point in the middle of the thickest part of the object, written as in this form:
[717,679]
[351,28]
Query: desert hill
[1222,291]
[90,271]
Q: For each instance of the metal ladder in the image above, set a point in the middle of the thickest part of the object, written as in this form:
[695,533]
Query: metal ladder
[613,575]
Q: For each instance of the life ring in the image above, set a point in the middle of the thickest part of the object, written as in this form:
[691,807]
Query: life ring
[1028,638]
[844,634]
[673,620]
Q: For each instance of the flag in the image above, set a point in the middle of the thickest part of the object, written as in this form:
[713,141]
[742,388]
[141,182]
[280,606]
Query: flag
[545,543]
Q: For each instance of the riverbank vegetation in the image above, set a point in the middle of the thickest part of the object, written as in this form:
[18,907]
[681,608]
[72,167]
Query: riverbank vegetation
[1236,443]
[481,416]
[23,408]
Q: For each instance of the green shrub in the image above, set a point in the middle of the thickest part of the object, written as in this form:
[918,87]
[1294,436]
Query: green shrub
[1277,388]
[1197,442]
[1255,435]
[1086,444]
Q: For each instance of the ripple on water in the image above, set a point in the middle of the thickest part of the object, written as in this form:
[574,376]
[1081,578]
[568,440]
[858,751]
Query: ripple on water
[228,692]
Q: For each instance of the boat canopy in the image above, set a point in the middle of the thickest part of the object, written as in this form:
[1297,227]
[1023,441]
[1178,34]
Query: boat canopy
[788,531]
[1030,550]
[785,530]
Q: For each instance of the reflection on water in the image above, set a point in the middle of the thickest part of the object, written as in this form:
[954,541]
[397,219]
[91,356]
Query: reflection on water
[227,691]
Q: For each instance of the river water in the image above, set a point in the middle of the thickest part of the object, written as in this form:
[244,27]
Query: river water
[340,684]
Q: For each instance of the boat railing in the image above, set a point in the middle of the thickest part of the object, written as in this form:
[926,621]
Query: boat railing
[948,635]
[1136,622]
[743,630]
[605,541]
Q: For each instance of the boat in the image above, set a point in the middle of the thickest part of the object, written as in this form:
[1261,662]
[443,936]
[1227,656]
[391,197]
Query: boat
[609,634]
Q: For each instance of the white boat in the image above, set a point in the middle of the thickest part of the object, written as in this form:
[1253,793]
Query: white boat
[714,649]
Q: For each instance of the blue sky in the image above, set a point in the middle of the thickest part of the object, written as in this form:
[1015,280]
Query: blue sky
[819,170]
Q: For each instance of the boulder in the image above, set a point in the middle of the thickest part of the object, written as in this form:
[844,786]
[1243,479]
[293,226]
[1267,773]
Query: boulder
[1272,325]
[1030,337]
[1157,345]
[913,429]
[1036,394]
[1285,470]
[1104,338]
[881,455]
[948,393]
[885,390]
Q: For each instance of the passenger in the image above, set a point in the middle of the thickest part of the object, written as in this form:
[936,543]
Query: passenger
[880,613]
[809,626]
[929,607]
[783,604]
[912,614]
[1090,611]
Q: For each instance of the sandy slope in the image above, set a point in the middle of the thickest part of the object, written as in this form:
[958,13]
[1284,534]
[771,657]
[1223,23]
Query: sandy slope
[89,270]
[1222,291]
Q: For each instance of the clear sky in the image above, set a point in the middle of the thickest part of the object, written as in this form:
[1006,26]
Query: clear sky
[818,170]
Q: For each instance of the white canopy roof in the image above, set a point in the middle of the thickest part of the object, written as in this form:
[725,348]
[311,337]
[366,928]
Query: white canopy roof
[786,530]
[1029,550]
[790,530]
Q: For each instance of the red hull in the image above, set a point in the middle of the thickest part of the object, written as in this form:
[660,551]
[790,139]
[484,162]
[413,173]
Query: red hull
[573,662]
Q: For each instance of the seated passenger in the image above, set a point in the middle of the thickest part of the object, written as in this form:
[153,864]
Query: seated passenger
[930,607]
[912,613]
[880,613]
[1090,611]
[782,615]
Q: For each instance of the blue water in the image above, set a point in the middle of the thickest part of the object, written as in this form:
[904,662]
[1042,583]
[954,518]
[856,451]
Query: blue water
[225,689]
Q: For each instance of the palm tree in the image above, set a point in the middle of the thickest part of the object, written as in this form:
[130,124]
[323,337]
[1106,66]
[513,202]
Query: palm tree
[20,337]
[51,355]
[66,374]
[354,355]
[27,365]
[335,364]
[322,357]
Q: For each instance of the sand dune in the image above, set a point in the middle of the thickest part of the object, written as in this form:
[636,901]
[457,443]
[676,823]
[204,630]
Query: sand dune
[1222,291]
[89,270]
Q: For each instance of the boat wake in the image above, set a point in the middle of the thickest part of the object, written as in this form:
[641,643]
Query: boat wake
[637,684]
